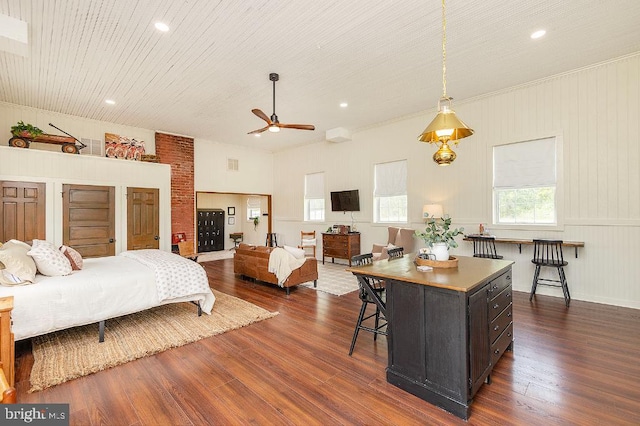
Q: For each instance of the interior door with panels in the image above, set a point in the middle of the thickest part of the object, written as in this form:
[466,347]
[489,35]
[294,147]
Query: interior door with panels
[22,211]
[143,218]
[88,219]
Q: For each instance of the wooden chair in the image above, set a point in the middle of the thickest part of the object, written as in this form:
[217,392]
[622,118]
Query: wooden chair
[7,353]
[548,253]
[371,291]
[185,248]
[395,252]
[484,246]
[308,241]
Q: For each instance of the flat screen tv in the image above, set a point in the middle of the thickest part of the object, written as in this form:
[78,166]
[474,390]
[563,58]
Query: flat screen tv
[345,201]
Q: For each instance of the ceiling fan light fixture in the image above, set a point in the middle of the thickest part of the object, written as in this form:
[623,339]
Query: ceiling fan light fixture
[274,129]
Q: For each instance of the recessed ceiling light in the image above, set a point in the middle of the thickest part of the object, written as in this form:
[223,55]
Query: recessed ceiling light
[343,104]
[538,34]
[161,26]
[109,101]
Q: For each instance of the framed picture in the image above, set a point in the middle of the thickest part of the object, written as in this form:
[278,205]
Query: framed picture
[231,211]
[232,221]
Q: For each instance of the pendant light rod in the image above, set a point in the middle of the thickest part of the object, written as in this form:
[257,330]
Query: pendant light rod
[444,52]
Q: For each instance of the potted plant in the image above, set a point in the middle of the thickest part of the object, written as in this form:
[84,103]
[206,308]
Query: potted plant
[25,130]
[256,221]
[439,237]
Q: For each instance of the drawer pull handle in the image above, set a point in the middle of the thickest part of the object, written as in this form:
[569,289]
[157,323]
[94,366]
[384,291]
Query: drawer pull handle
[496,306]
[509,334]
[497,351]
[496,328]
[509,314]
[508,277]
[507,295]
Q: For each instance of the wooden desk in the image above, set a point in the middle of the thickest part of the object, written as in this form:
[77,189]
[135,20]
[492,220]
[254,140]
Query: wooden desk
[519,242]
[447,327]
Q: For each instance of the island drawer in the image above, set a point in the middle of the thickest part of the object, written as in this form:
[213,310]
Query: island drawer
[501,344]
[500,324]
[499,284]
[499,303]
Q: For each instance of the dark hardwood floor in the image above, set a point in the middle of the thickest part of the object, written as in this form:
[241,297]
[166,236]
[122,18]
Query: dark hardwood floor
[570,366]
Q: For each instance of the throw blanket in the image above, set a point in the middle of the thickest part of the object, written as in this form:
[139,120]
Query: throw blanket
[175,275]
[282,263]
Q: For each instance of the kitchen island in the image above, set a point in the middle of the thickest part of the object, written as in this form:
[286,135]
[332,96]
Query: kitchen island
[447,328]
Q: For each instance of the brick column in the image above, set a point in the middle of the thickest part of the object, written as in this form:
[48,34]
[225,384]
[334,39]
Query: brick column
[177,151]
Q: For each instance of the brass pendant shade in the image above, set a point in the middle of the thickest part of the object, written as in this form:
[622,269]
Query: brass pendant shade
[445,126]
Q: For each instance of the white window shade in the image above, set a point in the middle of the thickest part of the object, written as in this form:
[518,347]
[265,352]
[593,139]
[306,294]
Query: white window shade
[314,185]
[253,202]
[525,164]
[390,179]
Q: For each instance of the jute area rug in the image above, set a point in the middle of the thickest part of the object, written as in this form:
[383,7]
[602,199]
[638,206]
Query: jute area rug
[69,354]
[334,279]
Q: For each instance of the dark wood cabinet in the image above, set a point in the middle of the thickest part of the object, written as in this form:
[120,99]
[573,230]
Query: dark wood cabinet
[210,225]
[341,246]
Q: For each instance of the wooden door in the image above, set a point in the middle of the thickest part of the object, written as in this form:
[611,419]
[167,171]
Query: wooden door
[143,218]
[88,219]
[22,211]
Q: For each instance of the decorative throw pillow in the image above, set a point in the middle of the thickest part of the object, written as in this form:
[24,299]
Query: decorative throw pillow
[75,258]
[308,242]
[49,260]
[296,252]
[16,260]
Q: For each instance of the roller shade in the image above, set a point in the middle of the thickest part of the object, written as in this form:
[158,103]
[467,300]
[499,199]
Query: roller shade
[390,179]
[314,186]
[525,164]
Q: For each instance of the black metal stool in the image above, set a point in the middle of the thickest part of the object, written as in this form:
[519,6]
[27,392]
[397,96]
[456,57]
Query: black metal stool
[548,253]
[272,240]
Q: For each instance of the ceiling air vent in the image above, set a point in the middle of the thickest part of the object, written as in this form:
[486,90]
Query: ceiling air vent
[232,164]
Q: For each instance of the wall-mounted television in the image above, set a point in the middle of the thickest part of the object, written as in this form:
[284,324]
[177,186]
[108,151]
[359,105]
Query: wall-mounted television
[345,201]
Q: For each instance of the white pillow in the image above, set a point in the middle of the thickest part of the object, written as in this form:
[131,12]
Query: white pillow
[296,252]
[308,242]
[49,260]
[17,262]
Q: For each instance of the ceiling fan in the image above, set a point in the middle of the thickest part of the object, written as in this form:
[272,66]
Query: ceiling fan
[273,124]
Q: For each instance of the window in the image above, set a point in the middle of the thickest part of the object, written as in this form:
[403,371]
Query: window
[524,183]
[253,207]
[390,192]
[314,197]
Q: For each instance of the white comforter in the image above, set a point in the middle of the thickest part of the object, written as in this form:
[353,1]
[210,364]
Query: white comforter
[105,288]
[282,263]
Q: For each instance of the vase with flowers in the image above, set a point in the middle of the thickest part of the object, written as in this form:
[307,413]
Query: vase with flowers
[439,237]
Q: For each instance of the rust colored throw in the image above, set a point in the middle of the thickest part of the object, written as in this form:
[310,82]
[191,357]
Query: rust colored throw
[69,354]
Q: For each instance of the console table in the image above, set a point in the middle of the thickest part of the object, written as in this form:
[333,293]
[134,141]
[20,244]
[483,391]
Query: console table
[447,328]
[341,246]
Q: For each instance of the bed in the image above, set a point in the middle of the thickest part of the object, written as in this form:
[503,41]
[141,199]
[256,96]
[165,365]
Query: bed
[105,288]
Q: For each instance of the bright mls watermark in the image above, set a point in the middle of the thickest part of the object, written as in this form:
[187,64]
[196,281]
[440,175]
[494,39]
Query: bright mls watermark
[35,414]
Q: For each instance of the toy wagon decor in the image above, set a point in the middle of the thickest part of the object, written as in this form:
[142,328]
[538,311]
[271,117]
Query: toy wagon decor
[24,134]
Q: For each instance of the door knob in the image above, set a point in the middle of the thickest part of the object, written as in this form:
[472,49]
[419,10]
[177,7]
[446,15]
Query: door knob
[156,238]
[111,240]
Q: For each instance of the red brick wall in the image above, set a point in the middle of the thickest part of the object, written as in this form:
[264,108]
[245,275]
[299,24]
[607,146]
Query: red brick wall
[177,151]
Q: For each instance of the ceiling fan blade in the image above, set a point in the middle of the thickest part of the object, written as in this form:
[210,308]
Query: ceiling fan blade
[259,130]
[261,114]
[298,126]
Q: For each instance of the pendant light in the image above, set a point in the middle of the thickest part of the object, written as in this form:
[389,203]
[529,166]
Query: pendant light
[445,127]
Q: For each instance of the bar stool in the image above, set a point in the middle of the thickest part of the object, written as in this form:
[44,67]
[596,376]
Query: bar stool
[272,240]
[377,297]
[548,253]
[484,246]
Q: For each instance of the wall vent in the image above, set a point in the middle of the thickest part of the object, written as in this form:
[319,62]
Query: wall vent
[232,164]
[94,147]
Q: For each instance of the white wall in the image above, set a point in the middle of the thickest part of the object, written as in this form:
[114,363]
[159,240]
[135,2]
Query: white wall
[57,168]
[595,112]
